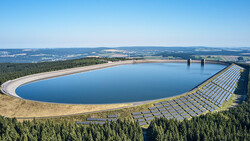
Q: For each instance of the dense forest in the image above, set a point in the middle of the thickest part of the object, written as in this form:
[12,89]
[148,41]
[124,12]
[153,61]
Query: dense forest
[9,71]
[12,130]
[233,124]
[191,54]
[179,55]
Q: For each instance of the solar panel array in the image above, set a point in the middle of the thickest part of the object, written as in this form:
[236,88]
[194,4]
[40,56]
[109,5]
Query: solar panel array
[203,99]
[99,120]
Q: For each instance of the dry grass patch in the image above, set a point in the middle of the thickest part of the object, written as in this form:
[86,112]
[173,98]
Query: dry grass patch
[14,107]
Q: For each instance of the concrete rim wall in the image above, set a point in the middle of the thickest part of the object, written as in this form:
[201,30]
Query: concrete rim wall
[10,86]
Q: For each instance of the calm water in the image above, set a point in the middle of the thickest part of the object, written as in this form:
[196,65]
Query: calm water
[126,83]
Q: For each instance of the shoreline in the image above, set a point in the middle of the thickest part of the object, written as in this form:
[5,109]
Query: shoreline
[9,87]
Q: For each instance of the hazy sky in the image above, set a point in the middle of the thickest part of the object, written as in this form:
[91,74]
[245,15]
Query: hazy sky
[95,23]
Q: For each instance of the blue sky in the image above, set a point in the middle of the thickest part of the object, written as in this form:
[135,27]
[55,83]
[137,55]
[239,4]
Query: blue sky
[98,23]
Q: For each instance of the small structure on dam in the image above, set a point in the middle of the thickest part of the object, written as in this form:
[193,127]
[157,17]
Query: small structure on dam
[203,62]
[189,61]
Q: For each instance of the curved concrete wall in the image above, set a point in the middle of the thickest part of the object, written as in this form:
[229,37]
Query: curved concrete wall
[10,86]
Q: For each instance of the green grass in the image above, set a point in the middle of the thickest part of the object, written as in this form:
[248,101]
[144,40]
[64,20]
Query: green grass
[246,58]
[124,113]
[209,57]
[152,57]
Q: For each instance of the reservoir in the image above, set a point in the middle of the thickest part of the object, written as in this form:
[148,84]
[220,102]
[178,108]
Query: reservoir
[120,84]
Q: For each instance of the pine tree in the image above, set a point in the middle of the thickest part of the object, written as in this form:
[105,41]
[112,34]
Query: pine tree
[24,137]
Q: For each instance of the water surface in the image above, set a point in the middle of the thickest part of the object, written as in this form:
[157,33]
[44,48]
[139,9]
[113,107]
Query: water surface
[126,83]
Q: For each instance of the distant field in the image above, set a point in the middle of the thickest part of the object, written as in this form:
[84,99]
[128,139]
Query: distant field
[210,57]
[56,54]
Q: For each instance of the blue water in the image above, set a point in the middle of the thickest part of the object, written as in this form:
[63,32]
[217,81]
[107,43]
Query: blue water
[126,83]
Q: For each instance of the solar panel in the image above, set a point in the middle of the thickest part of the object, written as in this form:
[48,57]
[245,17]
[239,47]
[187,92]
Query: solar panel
[176,100]
[146,112]
[184,107]
[200,108]
[159,116]
[203,110]
[100,122]
[176,116]
[91,119]
[182,98]
[180,118]
[212,106]
[136,113]
[135,117]
[156,114]
[186,116]
[199,113]
[196,110]
[199,100]
[83,122]
[148,115]
[154,111]
[141,120]
[156,104]
[193,114]
[112,116]
[142,123]
[164,102]
[165,112]
[174,113]
[101,119]
[112,119]
[152,108]
[149,118]
[193,108]
[163,109]
[181,111]
[179,108]
[205,105]
[171,110]
[159,106]
[167,115]
[209,107]
[170,101]
[175,106]
[168,108]
[166,105]
[183,114]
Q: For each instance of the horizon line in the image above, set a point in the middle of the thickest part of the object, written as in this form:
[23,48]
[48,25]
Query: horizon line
[132,47]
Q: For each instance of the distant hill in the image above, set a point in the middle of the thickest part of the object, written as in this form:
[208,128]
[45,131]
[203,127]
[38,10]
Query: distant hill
[55,54]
